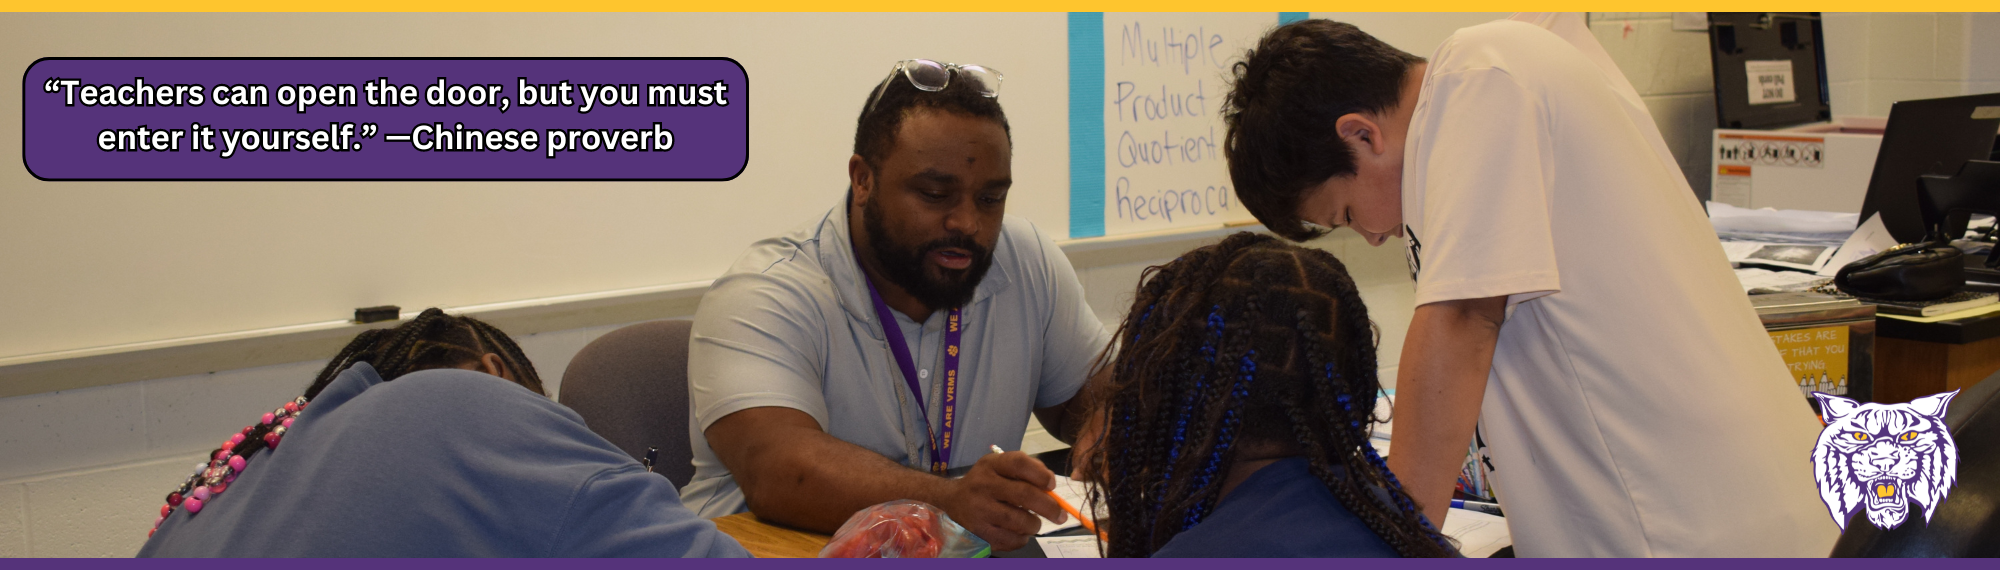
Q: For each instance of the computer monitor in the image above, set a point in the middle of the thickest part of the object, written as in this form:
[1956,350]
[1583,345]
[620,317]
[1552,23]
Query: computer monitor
[1770,69]
[1926,136]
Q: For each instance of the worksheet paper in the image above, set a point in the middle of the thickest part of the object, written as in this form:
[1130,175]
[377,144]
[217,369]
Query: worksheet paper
[1075,492]
[1084,546]
[1479,535]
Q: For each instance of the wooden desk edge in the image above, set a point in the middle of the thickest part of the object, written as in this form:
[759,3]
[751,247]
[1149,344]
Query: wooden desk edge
[766,540]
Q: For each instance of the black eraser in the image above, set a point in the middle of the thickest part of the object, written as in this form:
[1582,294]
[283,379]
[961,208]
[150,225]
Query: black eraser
[377,314]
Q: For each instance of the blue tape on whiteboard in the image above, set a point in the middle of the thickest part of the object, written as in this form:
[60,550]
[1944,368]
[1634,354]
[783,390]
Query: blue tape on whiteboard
[1086,124]
[1289,17]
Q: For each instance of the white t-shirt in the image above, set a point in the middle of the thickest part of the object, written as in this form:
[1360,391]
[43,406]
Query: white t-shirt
[1636,406]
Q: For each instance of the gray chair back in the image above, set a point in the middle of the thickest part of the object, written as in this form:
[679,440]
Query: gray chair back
[630,386]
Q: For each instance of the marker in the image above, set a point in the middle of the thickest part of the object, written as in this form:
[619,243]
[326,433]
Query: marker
[1476,506]
[1068,508]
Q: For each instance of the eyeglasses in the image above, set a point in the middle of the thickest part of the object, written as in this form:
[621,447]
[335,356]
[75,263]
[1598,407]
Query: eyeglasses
[932,76]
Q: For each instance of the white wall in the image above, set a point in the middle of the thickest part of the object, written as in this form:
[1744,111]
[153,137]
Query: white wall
[1875,60]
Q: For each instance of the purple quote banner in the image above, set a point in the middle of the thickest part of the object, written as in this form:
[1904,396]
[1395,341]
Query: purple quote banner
[385,119]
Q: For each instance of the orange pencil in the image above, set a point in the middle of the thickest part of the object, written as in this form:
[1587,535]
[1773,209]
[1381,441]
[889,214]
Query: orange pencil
[1079,516]
[1071,509]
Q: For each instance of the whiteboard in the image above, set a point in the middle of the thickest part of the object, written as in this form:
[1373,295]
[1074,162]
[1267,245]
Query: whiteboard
[1152,101]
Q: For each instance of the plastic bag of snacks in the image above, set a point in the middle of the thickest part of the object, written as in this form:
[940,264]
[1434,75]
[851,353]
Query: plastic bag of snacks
[903,529]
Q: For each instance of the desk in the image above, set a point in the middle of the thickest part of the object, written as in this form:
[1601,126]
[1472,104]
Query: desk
[766,540]
[1913,359]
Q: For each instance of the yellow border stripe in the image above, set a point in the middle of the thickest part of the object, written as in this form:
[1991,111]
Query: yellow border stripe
[916,6]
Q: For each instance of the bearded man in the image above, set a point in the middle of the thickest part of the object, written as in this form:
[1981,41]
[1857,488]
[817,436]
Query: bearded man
[807,408]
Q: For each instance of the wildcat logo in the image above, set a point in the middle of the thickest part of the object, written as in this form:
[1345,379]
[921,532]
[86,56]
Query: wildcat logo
[1882,457]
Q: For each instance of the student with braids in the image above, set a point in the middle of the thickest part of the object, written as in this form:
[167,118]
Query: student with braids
[1236,421]
[422,441]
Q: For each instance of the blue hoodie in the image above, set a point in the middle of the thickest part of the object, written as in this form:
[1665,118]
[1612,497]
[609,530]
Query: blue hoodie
[440,463]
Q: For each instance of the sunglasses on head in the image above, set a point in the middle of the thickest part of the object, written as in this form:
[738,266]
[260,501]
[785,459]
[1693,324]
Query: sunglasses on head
[933,76]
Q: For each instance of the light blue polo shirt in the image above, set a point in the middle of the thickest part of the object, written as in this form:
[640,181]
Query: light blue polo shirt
[791,325]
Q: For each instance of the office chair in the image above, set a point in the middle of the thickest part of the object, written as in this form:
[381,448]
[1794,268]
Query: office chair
[1947,202]
[630,386]
[1967,523]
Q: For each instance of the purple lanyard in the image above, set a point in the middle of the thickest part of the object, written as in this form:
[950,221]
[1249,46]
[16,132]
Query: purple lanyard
[941,446]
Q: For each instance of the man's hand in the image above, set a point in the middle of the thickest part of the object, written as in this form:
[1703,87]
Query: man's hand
[793,473]
[1439,386]
[990,500]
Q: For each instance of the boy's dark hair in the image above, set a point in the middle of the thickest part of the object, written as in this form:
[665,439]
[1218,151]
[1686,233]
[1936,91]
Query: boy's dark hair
[1285,98]
[1248,341]
[881,116]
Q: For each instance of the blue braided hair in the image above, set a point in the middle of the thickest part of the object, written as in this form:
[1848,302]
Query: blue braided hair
[1248,341]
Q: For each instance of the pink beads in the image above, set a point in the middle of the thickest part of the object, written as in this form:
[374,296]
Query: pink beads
[214,476]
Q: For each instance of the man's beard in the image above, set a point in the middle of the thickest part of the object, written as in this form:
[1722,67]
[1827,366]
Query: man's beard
[906,268]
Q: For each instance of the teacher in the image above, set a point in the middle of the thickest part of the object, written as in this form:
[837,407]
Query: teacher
[856,360]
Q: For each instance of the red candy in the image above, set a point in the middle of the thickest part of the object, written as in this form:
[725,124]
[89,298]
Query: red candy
[166,510]
[892,530]
[173,499]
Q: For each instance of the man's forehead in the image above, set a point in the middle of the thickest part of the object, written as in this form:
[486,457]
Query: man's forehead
[926,129]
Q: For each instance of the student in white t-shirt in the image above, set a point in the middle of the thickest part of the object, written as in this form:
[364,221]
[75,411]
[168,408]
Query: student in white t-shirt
[1573,302]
